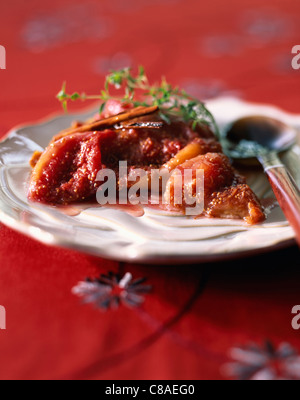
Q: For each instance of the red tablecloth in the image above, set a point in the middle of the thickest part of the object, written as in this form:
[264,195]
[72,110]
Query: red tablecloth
[194,315]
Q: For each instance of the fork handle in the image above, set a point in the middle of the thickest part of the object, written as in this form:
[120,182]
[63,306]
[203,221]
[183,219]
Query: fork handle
[285,189]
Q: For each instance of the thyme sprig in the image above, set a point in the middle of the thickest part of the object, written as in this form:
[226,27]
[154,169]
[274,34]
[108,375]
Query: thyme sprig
[137,91]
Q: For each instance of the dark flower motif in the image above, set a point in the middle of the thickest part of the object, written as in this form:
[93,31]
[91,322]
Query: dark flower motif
[253,362]
[109,291]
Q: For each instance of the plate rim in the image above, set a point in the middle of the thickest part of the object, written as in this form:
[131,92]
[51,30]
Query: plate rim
[24,229]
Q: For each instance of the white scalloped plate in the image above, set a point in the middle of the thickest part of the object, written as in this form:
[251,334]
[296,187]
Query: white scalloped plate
[156,237]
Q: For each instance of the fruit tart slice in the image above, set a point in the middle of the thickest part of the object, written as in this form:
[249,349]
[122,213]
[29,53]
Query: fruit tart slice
[165,131]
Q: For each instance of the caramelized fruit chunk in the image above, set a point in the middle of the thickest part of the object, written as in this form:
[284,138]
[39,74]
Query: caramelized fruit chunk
[67,170]
[236,202]
[225,193]
[197,147]
[218,173]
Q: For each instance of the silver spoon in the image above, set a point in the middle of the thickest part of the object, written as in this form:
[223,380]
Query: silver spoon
[264,138]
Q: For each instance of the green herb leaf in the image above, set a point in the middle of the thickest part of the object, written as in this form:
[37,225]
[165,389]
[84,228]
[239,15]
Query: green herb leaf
[170,100]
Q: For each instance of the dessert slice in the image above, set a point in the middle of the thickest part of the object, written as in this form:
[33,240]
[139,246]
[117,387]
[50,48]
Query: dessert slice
[166,131]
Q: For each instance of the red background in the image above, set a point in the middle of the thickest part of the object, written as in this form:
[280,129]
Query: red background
[194,314]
